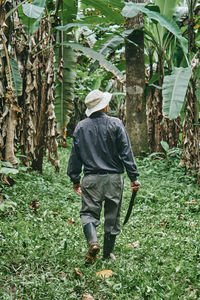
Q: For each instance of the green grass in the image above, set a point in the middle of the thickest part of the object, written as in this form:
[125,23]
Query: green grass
[39,249]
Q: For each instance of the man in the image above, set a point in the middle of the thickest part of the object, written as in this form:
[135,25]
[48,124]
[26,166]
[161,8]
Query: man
[102,147]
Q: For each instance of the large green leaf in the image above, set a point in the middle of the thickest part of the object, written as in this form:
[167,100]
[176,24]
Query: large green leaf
[67,11]
[174,90]
[7,171]
[32,11]
[109,45]
[113,42]
[131,9]
[100,58]
[64,91]
[70,25]
[105,10]
[167,7]
[28,14]
[16,77]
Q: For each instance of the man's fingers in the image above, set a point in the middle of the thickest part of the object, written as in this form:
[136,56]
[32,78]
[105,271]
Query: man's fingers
[135,185]
[135,188]
[77,189]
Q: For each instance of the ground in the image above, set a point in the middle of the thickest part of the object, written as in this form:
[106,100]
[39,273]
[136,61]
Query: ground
[42,247]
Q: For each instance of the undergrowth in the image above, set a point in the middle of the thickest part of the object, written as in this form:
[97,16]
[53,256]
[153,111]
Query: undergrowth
[42,246]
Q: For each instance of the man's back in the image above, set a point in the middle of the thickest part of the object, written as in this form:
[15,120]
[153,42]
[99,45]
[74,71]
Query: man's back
[102,146]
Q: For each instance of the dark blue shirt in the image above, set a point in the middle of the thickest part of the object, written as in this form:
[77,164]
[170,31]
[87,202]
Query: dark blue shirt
[101,145]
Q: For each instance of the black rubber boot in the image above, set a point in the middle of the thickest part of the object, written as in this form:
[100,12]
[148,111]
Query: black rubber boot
[91,237]
[108,246]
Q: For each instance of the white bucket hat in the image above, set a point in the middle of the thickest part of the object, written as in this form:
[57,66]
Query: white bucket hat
[96,100]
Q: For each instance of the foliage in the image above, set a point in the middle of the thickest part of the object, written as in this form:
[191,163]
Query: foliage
[7,168]
[31,13]
[174,91]
[157,253]
[131,9]
[16,77]
[99,57]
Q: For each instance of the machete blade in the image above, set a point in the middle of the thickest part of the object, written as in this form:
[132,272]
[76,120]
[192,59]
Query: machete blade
[130,207]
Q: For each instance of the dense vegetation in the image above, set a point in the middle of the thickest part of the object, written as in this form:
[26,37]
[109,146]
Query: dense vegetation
[151,61]
[42,247]
[53,52]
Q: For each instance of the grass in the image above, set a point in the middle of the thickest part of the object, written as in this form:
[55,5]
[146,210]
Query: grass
[40,248]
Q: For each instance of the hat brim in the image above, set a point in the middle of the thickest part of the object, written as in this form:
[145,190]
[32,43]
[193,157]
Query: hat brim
[104,102]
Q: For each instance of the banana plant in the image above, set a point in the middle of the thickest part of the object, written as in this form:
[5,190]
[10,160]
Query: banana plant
[174,91]
[66,11]
[162,38]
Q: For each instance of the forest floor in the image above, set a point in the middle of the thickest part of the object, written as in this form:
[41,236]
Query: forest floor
[42,246]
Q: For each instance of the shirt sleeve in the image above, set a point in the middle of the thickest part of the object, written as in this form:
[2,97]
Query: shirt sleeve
[126,154]
[74,164]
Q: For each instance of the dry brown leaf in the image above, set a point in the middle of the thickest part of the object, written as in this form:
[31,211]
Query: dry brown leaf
[134,245]
[17,108]
[191,202]
[162,224]
[87,296]
[34,205]
[182,217]
[104,273]
[71,221]
[78,272]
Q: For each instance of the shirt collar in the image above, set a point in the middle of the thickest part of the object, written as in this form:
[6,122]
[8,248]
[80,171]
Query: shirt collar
[97,114]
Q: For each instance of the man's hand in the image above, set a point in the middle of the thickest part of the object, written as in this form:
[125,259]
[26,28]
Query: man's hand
[135,185]
[77,188]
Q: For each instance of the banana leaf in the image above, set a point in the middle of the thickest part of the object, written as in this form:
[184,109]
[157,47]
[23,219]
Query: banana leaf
[111,44]
[30,14]
[64,91]
[67,11]
[90,53]
[131,9]
[32,11]
[106,9]
[174,90]
[167,7]
[16,77]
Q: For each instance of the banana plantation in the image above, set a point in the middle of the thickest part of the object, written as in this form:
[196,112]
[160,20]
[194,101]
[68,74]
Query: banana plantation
[53,53]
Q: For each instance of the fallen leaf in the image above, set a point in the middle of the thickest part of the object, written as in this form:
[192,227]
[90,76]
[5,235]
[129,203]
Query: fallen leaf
[87,296]
[63,274]
[162,224]
[104,273]
[71,221]
[192,224]
[34,205]
[181,217]
[78,272]
[191,202]
[134,245]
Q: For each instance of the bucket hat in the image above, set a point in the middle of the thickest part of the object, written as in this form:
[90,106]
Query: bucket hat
[96,100]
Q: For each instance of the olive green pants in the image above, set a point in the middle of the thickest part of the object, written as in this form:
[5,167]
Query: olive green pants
[96,190]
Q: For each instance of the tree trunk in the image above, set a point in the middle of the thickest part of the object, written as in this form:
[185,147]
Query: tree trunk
[136,119]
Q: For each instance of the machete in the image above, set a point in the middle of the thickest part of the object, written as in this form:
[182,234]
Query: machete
[130,207]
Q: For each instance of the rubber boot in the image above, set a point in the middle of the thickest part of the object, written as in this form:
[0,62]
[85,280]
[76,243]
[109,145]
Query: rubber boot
[91,237]
[109,243]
